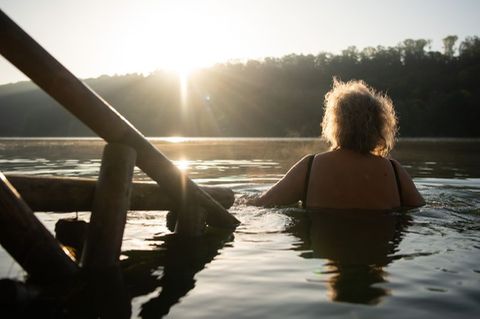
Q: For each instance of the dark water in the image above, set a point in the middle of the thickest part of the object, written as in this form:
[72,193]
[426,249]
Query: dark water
[281,263]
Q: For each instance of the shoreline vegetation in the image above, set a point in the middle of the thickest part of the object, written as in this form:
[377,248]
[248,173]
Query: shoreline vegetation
[196,139]
[436,94]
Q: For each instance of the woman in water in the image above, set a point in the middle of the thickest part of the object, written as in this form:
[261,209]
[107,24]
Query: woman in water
[360,125]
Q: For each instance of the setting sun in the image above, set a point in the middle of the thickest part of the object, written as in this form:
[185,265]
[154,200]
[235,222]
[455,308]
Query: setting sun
[172,38]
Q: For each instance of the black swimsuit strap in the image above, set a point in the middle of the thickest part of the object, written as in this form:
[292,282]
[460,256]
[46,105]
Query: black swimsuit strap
[397,179]
[307,180]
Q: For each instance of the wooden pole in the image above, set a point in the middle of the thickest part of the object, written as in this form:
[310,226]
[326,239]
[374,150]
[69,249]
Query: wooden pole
[26,239]
[30,58]
[194,225]
[70,194]
[110,205]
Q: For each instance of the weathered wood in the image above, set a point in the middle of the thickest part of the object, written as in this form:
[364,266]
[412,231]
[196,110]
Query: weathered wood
[70,194]
[110,205]
[26,239]
[192,222]
[30,58]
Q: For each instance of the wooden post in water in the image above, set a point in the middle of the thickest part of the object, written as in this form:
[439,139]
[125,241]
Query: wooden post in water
[190,219]
[110,205]
[30,58]
[26,239]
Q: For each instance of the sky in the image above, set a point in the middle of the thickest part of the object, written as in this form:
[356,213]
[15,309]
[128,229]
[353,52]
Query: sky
[95,37]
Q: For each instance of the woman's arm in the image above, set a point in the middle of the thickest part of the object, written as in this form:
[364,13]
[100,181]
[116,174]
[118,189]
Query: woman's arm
[286,191]
[410,194]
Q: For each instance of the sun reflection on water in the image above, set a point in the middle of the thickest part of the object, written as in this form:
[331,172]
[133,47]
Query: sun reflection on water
[175,139]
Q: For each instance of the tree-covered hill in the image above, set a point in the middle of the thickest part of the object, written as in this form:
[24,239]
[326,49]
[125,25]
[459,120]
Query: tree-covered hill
[435,94]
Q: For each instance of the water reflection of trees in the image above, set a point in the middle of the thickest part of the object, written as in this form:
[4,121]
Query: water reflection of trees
[171,268]
[357,245]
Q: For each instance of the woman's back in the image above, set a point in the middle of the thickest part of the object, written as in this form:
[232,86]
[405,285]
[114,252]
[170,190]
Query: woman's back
[360,125]
[347,179]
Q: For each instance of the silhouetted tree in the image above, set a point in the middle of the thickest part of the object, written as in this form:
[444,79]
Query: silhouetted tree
[448,45]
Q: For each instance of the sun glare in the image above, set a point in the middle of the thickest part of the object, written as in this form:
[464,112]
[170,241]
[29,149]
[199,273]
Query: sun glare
[182,165]
[179,39]
[183,79]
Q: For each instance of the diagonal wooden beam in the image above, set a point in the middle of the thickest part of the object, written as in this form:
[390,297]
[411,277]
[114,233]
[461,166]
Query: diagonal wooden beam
[43,69]
[28,241]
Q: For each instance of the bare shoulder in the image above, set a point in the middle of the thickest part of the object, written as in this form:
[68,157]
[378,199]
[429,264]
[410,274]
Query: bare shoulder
[411,195]
[301,166]
[324,157]
[289,189]
[400,169]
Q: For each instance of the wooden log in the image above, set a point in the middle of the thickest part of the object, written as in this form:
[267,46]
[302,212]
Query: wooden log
[151,196]
[110,205]
[192,226]
[70,194]
[26,239]
[30,58]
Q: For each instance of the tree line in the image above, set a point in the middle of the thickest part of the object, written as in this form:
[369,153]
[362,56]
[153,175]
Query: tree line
[436,94]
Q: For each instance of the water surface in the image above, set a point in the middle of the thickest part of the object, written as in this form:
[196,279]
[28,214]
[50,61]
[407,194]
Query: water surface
[281,262]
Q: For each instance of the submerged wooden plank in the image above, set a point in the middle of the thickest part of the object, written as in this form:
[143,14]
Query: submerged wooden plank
[43,69]
[70,194]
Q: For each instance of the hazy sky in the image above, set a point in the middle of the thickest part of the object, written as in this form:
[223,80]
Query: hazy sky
[94,37]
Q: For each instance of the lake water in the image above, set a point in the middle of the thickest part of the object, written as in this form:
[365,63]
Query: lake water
[281,263]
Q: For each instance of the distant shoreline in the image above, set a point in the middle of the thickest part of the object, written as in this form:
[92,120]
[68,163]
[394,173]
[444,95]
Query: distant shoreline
[199,139]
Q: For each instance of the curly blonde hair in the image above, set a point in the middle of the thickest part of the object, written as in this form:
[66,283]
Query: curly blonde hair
[358,118]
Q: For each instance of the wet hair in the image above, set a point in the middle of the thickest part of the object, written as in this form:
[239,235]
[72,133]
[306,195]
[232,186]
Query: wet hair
[358,118]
